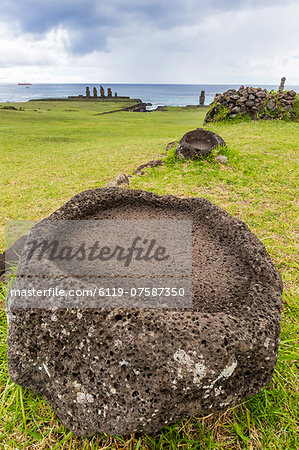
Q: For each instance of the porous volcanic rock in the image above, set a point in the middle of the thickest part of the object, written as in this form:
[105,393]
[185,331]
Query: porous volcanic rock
[256,103]
[198,143]
[135,370]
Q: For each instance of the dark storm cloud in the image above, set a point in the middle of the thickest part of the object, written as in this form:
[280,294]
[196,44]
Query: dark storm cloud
[91,22]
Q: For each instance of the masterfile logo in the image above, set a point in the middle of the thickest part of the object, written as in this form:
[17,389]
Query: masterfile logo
[111,263]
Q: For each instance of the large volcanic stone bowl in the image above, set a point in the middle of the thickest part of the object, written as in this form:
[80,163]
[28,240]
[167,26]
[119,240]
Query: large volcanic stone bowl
[135,370]
[198,143]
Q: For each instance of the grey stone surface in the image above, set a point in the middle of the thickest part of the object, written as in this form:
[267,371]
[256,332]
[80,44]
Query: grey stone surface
[120,179]
[242,100]
[120,370]
[235,110]
[270,104]
[198,143]
[221,159]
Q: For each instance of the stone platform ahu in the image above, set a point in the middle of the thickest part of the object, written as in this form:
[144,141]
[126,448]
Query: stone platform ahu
[98,94]
[122,370]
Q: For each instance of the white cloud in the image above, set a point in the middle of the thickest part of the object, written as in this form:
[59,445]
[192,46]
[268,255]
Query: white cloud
[237,46]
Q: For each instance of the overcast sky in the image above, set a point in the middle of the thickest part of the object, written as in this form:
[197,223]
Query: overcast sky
[149,41]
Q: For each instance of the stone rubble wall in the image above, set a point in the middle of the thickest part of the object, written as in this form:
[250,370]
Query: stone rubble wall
[257,103]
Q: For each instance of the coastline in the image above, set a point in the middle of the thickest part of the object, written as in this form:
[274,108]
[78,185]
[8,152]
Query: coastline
[157,94]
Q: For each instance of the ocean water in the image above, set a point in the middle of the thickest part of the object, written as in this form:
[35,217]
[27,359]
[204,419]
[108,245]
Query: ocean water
[157,94]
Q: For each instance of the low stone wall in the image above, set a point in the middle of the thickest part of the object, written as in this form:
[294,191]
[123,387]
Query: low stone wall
[257,103]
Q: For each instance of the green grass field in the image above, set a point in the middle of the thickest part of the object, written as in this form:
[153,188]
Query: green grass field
[53,150]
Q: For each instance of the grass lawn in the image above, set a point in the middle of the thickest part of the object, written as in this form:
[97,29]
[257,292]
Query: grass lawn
[51,154]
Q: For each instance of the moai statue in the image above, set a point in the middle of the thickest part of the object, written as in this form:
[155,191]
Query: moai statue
[282,81]
[95,92]
[109,92]
[87,91]
[202,98]
[115,95]
[102,90]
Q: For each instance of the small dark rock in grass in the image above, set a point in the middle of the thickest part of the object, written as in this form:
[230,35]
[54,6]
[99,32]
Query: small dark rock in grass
[119,180]
[136,370]
[153,163]
[198,143]
[10,108]
[160,108]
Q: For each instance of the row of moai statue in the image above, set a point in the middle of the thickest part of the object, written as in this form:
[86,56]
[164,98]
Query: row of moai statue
[102,92]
